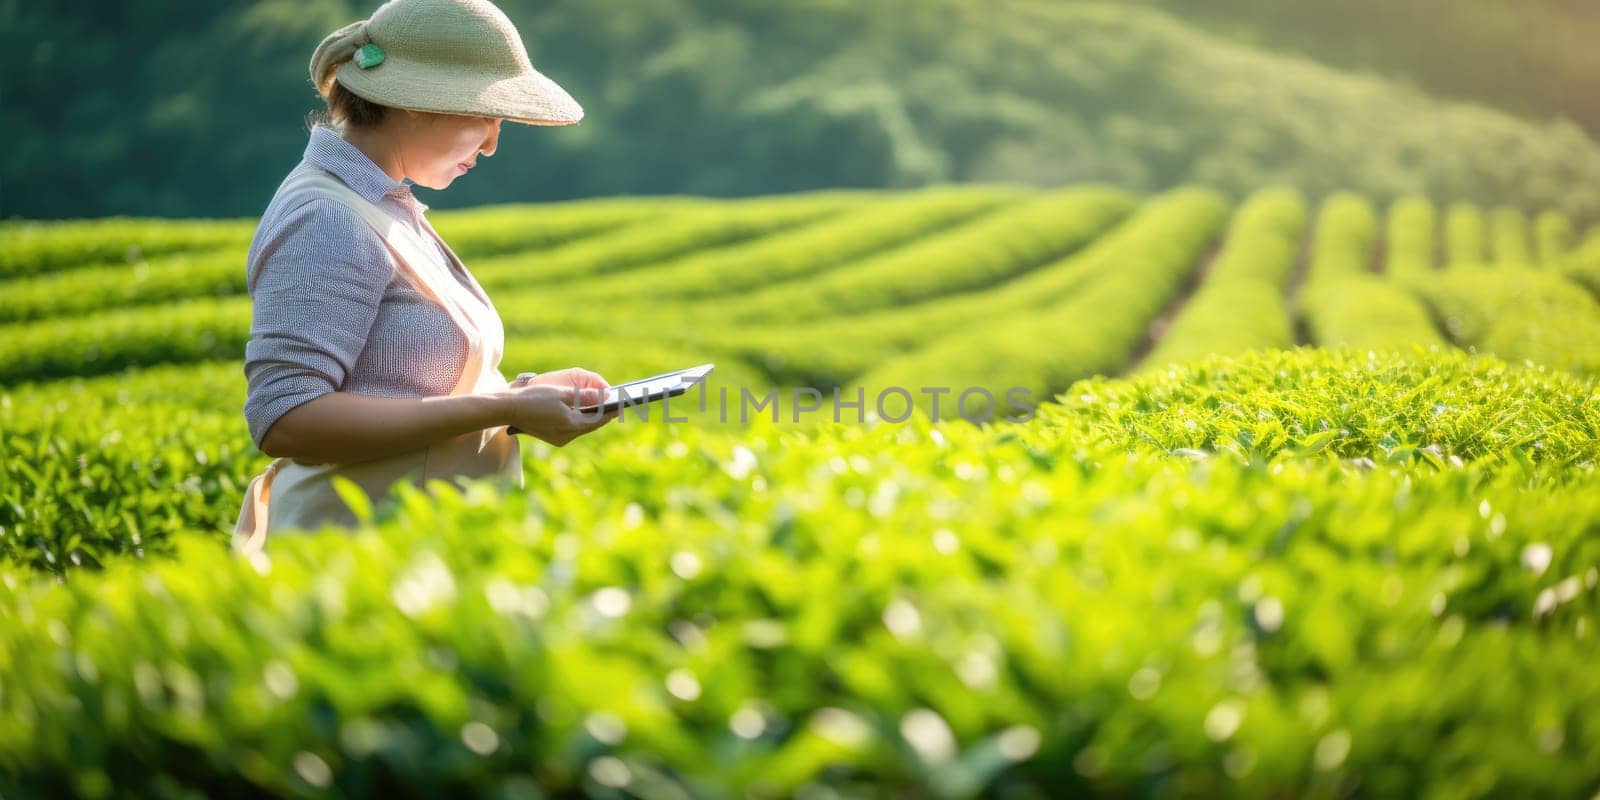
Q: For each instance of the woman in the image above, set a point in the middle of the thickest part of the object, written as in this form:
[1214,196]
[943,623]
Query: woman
[374,354]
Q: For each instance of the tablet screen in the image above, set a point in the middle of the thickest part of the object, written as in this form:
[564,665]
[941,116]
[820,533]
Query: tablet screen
[655,387]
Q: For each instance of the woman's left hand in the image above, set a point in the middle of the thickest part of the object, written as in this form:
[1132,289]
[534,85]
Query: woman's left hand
[576,377]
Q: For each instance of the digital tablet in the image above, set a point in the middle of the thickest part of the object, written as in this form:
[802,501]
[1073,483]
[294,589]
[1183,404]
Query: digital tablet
[649,390]
[645,390]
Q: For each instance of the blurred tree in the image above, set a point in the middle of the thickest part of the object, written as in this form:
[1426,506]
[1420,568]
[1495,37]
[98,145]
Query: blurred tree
[181,108]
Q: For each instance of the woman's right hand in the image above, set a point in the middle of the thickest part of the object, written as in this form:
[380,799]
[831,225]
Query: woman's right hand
[549,412]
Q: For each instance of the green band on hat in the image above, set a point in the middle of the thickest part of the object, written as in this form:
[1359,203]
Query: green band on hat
[369,56]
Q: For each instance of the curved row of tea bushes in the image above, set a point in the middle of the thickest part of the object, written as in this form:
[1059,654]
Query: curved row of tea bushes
[194,329]
[1466,236]
[1343,239]
[1583,264]
[952,611]
[830,352]
[882,227]
[1438,409]
[985,253]
[1342,301]
[1263,241]
[489,231]
[1555,239]
[1508,244]
[1225,318]
[178,276]
[222,272]
[1519,314]
[1480,299]
[107,341]
[1591,241]
[837,262]
[1368,312]
[728,225]
[33,248]
[1410,237]
[967,258]
[963,259]
[1240,305]
[1092,330]
[208,328]
[100,468]
[30,248]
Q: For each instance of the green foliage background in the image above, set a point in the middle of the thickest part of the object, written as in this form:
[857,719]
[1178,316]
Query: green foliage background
[177,108]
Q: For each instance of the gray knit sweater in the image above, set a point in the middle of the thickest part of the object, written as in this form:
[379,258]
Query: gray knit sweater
[330,309]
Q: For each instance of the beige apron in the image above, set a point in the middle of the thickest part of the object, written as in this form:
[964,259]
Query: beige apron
[290,493]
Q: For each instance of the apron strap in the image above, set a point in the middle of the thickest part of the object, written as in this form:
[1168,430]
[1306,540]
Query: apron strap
[422,264]
[250,531]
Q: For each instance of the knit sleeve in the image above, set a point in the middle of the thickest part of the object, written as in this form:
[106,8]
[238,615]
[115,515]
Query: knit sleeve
[315,290]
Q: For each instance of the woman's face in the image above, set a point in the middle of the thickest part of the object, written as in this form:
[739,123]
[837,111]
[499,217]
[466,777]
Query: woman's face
[442,147]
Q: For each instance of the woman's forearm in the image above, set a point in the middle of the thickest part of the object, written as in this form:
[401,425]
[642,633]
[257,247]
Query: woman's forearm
[342,427]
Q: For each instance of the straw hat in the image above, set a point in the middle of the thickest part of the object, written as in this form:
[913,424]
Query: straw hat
[448,56]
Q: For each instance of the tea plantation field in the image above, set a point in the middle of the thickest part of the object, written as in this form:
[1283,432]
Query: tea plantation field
[1308,507]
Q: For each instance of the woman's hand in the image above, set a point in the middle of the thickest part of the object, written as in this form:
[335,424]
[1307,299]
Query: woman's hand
[546,405]
[571,376]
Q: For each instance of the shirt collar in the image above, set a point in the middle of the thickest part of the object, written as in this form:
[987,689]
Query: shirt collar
[330,151]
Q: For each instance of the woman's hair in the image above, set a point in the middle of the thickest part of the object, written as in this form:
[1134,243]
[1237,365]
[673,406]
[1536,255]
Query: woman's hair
[345,108]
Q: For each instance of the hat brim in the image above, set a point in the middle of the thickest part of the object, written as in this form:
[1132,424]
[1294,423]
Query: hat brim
[529,98]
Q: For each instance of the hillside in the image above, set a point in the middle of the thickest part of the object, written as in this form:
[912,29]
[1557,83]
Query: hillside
[1112,399]
[748,97]
[1536,58]
[982,288]
[1329,533]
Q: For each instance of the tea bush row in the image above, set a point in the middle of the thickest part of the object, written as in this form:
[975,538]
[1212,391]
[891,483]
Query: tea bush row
[1093,330]
[1343,302]
[1241,304]
[833,351]
[1068,606]
[1409,243]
